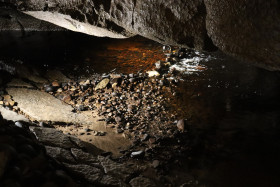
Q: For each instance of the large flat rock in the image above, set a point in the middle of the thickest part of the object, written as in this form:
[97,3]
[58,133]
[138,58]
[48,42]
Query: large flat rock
[11,115]
[41,106]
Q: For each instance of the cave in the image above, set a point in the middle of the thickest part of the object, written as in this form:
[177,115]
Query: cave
[139,93]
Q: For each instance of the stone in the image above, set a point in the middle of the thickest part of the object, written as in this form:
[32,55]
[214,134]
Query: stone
[116,170]
[60,154]
[137,154]
[141,181]
[55,84]
[153,73]
[181,125]
[155,163]
[91,174]
[108,180]
[102,84]
[41,106]
[53,137]
[19,124]
[49,89]
[12,116]
[83,157]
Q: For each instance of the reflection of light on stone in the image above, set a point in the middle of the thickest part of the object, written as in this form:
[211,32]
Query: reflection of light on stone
[67,22]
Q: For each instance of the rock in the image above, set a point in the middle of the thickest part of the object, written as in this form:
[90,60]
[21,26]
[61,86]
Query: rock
[55,84]
[91,174]
[19,83]
[59,90]
[81,108]
[19,124]
[155,163]
[137,154]
[83,157]
[153,73]
[41,106]
[145,137]
[12,116]
[108,180]
[141,181]
[102,84]
[49,89]
[115,169]
[181,125]
[60,154]
[53,137]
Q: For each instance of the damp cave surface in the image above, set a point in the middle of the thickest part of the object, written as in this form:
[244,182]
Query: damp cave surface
[232,109]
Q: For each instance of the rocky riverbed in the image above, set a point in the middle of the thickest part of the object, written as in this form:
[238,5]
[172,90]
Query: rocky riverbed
[81,124]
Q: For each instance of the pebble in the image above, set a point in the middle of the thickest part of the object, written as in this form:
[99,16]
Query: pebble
[55,84]
[181,125]
[49,89]
[137,154]
[155,163]
[18,124]
[81,108]
[145,137]
[102,84]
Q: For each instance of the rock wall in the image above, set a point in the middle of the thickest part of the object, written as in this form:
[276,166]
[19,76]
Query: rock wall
[247,30]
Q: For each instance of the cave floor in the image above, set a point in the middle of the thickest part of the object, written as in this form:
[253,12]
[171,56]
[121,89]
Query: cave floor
[204,120]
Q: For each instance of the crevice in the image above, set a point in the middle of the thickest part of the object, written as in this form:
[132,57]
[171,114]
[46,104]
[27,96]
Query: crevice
[133,11]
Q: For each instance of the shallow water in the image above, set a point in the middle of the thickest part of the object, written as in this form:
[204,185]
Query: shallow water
[232,109]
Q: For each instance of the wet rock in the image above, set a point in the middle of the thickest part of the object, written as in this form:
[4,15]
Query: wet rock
[141,181]
[60,154]
[91,174]
[102,84]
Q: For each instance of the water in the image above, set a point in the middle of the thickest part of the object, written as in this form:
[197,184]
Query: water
[232,109]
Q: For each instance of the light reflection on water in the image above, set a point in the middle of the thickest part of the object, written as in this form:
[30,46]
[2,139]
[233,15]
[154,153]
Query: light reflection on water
[233,109]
